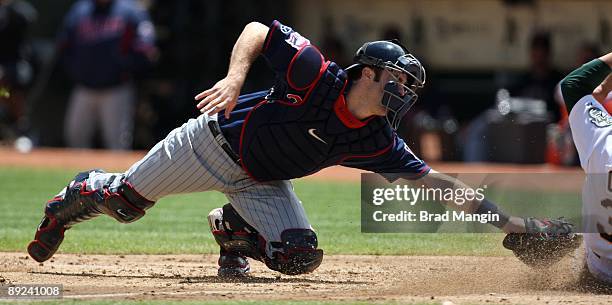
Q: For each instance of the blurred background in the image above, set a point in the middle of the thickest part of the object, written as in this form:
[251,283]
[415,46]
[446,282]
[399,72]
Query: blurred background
[120,74]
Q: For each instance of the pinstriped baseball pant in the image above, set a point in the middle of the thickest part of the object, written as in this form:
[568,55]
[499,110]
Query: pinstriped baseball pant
[190,160]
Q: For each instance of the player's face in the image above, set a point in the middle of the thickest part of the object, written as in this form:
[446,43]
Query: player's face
[386,77]
[399,78]
[376,94]
[376,89]
[372,92]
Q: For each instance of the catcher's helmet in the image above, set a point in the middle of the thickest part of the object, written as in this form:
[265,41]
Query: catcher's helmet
[392,56]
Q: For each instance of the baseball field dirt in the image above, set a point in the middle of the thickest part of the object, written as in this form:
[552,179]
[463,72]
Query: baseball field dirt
[459,279]
[404,279]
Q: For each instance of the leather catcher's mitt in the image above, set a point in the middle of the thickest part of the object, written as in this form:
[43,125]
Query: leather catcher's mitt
[545,243]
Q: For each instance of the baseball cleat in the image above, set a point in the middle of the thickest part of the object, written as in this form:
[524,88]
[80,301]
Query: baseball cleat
[232,265]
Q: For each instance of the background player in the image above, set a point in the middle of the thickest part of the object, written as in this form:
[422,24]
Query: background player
[114,38]
[316,115]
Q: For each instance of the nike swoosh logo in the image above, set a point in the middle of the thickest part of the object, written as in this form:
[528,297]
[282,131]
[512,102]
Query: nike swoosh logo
[311,132]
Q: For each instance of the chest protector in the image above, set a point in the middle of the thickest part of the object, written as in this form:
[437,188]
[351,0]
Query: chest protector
[302,133]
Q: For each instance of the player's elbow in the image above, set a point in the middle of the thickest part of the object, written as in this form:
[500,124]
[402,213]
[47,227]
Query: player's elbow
[254,34]
[256,27]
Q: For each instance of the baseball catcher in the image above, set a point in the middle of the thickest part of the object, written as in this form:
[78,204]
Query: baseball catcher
[249,147]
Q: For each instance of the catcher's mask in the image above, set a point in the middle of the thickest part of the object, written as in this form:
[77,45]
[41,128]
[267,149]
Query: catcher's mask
[391,56]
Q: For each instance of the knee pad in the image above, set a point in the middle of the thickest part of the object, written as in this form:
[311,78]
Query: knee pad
[124,204]
[234,234]
[299,253]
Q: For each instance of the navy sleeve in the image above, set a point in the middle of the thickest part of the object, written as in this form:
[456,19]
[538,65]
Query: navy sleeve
[396,162]
[281,45]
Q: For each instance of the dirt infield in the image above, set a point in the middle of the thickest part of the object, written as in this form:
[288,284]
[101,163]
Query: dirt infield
[428,279]
[472,280]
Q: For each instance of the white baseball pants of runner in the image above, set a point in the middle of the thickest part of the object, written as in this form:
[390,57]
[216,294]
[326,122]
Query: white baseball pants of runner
[190,160]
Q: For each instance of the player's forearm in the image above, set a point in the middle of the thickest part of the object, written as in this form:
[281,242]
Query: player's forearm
[582,81]
[441,181]
[246,49]
[506,223]
[601,92]
[607,59]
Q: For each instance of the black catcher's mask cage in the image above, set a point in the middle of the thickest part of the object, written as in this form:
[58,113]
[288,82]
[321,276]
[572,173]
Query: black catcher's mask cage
[391,56]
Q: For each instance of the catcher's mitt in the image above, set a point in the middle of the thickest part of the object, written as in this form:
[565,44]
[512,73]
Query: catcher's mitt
[545,243]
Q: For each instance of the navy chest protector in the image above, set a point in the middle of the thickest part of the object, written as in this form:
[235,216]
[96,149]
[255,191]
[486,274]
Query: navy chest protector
[302,133]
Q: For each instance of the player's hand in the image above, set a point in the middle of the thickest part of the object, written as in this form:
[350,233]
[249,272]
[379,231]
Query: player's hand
[223,95]
[601,92]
